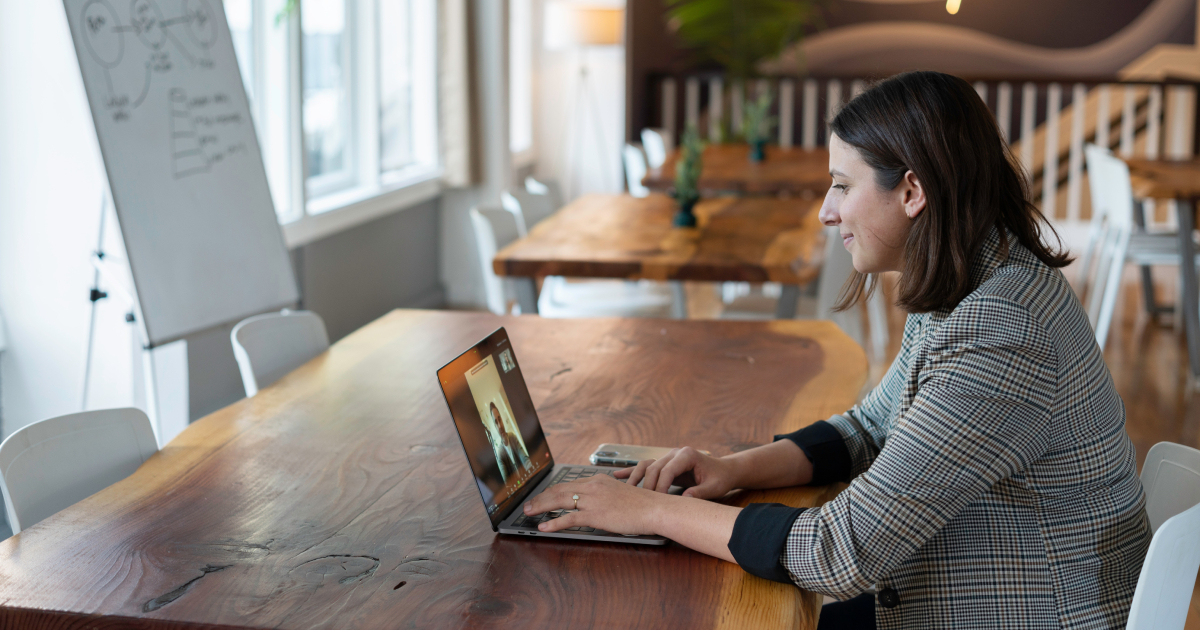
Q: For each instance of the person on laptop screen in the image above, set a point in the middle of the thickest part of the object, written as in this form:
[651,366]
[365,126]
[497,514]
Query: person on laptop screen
[992,483]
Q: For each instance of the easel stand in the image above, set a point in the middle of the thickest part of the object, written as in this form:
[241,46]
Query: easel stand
[145,386]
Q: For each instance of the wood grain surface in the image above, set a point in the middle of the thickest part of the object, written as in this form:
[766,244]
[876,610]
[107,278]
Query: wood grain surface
[755,239]
[1165,179]
[340,498]
[727,168]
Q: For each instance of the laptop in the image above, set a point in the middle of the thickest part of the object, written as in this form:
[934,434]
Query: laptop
[505,445]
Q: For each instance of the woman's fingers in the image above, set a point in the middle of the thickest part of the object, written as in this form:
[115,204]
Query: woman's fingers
[565,521]
[552,499]
[639,472]
[654,471]
[623,473]
[674,468]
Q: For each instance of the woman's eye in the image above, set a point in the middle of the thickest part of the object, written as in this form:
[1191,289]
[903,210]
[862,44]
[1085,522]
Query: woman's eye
[841,187]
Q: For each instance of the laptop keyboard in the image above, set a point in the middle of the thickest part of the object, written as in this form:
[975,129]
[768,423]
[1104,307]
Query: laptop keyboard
[568,473]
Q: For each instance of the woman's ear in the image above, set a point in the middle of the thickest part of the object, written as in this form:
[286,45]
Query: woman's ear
[914,195]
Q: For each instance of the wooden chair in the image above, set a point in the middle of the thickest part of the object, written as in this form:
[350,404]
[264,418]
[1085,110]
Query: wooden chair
[635,170]
[269,346]
[658,145]
[1171,479]
[53,464]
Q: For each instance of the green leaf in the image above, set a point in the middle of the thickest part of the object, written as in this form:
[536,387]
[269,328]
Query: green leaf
[739,34]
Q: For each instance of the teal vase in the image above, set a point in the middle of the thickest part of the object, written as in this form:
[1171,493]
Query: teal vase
[758,150]
[685,217]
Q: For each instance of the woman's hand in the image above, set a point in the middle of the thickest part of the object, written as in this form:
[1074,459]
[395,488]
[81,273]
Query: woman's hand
[604,503]
[703,476]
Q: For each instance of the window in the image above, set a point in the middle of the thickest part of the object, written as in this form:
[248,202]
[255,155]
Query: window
[327,88]
[520,79]
[343,94]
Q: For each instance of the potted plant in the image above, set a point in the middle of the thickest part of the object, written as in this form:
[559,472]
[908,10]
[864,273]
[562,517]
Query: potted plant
[738,34]
[687,177]
[757,123]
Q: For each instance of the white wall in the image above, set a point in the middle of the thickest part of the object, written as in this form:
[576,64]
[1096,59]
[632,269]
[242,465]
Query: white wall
[51,185]
[566,133]
[461,271]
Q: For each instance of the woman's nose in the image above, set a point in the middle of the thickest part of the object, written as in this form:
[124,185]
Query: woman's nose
[829,214]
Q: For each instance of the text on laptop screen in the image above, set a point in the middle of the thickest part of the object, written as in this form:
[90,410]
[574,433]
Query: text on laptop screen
[495,419]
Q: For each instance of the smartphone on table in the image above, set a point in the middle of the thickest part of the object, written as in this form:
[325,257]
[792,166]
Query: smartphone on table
[626,455]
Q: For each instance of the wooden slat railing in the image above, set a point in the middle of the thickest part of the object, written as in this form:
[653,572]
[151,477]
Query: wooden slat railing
[1040,118]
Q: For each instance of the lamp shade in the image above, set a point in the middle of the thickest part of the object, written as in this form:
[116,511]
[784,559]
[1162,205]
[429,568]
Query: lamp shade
[569,25]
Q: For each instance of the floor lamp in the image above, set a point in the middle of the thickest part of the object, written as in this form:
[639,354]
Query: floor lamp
[570,26]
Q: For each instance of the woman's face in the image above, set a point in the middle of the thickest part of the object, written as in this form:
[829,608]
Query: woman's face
[874,223]
[496,418]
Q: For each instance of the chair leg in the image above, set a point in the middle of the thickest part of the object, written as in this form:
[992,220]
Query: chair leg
[679,308]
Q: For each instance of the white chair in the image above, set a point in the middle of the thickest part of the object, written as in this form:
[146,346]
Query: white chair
[529,208]
[1171,479]
[495,228]
[742,301]
[658,145]
[50,465]
[269,346]
[635,170]
[548,188]
[836,269]
[1113,240]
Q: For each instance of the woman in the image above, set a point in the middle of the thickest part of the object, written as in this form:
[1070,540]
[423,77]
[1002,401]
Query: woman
[992,483]
[506,456]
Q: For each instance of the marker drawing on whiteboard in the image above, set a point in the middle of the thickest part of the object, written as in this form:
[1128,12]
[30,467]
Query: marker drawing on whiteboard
[196,129]
[104,40]
[188,158]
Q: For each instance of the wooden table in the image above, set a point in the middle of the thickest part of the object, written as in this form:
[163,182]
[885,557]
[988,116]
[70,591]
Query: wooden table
[757,239]
[1178,180]
[727,168]
[340,497]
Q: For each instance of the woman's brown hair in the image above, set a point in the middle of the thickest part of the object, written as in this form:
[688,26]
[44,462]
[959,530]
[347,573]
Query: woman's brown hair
[936,126]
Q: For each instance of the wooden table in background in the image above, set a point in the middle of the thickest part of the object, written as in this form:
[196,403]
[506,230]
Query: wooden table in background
[340,497]
[756,239]
[1178,180]
[727,168]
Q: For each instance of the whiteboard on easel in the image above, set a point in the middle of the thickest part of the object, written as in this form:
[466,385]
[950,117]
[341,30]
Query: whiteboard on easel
[184,165]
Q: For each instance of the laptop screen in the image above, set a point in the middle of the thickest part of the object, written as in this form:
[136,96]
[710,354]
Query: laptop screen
[496,422]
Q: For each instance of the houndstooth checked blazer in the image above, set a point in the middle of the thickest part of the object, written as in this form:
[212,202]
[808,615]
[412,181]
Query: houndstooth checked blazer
[994,485]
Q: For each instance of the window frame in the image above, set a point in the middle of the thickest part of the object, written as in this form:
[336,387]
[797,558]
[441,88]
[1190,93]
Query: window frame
[525,156]
[313,208]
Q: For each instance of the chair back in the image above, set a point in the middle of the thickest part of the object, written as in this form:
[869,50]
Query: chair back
[269,346]
[548,188]
[494,229]
[1108,241]
[657,143]
[635,170]
[514,207]
[1164,589]
[534,207]
[836,268]
[1171,479]
[53,464]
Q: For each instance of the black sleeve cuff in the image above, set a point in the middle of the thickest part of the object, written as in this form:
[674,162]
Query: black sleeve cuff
[826,449]
[760,538]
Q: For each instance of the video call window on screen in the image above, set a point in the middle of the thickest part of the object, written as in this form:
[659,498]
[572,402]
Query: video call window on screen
[495,419]
[495,413]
